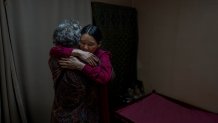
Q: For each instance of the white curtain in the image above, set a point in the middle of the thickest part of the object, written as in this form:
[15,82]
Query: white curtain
[26,81]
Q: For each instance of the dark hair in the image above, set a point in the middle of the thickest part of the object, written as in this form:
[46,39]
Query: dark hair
[93,31]
[67,33]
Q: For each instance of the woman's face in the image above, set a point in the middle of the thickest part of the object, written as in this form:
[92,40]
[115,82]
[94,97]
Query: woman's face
[88,43]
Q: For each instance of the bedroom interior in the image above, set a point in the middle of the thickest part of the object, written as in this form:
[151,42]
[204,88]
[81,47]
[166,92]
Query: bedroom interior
[164,54]
[106,16]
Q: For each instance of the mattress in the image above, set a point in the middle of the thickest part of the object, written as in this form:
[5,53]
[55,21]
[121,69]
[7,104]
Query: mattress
[156,108]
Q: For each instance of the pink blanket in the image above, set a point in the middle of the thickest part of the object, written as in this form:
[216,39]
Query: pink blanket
[158,109]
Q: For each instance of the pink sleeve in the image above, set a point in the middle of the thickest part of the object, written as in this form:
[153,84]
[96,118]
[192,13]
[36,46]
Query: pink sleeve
[103,72]
[59,51]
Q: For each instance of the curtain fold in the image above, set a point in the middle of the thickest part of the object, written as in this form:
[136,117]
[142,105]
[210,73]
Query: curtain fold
[12,108]
[26,37]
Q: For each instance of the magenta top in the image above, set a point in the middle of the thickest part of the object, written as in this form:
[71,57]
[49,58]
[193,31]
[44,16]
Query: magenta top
[100,74]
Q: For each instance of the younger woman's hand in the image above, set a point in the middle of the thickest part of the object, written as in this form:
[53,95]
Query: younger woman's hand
[87,57]
[71,63]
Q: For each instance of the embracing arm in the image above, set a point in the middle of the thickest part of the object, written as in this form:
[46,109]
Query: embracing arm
[65,52]
[59,52]
[102,73]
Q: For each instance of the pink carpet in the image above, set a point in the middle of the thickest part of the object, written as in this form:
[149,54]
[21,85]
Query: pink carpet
[158,109]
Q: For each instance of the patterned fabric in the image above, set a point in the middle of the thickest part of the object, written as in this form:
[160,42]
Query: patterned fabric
[75,98]
[101,74]
[119,28]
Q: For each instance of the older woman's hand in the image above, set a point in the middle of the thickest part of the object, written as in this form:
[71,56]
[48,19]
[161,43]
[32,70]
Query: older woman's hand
[71,63]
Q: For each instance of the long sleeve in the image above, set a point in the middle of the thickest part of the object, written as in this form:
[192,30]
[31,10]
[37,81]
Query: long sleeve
[59,51]
[100,74]
[103,72]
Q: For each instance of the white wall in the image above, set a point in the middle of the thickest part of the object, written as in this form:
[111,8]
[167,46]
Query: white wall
[178,49]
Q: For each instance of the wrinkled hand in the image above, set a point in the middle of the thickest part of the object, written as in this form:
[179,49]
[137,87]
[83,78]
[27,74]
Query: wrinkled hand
[87,57]
[71,63]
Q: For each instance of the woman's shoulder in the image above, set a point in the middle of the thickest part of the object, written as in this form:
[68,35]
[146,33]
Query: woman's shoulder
[101,52]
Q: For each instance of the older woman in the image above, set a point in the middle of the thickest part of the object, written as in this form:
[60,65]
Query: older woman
[72,102]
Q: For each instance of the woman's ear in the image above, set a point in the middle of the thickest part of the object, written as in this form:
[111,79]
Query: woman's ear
[99,45]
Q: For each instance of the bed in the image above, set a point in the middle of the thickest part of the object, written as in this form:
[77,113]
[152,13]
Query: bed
[157,108]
